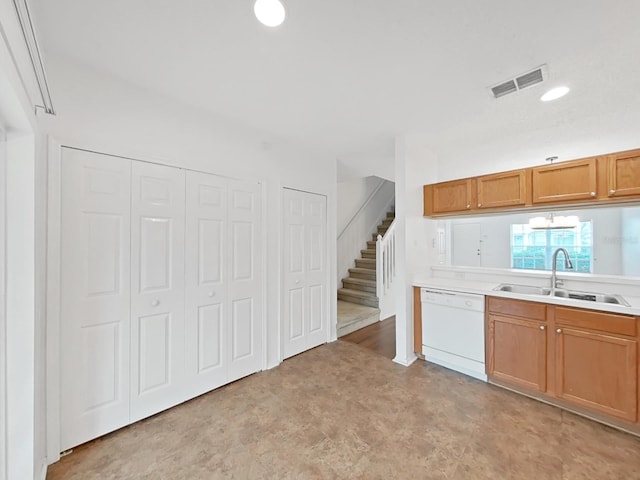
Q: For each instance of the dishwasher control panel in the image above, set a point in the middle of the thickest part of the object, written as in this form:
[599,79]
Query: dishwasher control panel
[467,301]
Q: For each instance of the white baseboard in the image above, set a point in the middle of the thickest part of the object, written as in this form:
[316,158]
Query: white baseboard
[406,361]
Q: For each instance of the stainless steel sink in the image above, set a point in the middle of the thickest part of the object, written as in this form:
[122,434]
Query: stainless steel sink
[592,297]
[561,292]
[524,289]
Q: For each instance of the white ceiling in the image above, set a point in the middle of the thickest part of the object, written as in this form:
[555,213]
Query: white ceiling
[344,77]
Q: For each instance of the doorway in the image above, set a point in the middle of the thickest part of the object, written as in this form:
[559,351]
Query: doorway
[466,249]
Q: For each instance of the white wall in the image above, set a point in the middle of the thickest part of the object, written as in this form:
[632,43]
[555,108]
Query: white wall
[416,247]
[477,147]
[107,115]
[630,241]
[25,395]
[3,320]
[20,307]
[363,203]
[351,196]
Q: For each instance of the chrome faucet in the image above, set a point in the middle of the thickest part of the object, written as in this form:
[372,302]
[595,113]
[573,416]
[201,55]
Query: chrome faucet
[567,265]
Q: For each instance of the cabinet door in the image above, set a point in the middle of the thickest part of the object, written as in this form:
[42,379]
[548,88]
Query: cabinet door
[454,196]
[624,174]
[94,295]
[502,189]
[597,371]
[206,308]
[565,182]
[157,279]
[517,352]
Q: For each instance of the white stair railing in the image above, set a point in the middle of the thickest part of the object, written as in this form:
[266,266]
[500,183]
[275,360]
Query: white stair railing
[386,271]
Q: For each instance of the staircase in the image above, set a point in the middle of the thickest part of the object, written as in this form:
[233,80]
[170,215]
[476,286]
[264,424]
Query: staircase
[360,286]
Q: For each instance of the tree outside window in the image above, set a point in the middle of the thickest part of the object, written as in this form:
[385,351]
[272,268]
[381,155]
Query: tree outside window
[533,249]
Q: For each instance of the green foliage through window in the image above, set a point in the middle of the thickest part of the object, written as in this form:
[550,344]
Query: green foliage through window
[533,249]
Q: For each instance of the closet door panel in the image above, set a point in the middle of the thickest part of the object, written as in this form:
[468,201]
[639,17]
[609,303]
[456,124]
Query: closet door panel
[205,288]
[157,306]
[305,276]
[295,254]
[95,295]
[316,223]
[244,236]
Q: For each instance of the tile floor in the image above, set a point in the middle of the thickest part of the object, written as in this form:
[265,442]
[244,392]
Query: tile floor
[342,411]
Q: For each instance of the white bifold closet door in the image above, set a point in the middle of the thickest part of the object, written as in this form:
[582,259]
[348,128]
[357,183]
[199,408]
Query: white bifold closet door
[160,289]
[95,295]
[157,280]
[305,275]
[223,320]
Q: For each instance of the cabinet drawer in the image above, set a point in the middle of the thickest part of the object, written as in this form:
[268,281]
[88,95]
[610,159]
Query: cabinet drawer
[600,321]
[517,308]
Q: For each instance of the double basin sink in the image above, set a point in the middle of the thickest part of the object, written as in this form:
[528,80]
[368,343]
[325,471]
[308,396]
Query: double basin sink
[561,292]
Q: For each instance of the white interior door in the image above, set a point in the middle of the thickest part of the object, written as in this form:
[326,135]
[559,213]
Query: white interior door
[206,308]
[304,277]
[466,244]
[243,280]
[157,278]
[95,293]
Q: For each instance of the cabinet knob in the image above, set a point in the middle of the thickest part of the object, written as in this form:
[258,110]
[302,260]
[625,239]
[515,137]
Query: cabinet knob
[212,293]
[593,194]
[155,303]
[559,330]
[611,192]
[479,204]
[468,205]
[541,327]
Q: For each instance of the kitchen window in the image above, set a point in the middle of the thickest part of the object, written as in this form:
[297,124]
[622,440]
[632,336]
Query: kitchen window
[532,249]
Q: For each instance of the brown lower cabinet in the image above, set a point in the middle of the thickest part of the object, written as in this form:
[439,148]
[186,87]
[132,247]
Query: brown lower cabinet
[581,357]
[519,351]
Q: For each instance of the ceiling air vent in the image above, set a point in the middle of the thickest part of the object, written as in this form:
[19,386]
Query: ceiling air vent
[504,89]
[520,82]
[528,79]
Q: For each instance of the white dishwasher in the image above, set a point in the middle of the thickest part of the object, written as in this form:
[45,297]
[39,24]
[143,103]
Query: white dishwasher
[453,330]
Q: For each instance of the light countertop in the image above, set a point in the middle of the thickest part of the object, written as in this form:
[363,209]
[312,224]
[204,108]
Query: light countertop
[485,287]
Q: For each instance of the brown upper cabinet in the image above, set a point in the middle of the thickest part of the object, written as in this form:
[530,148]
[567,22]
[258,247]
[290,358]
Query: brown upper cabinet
[502,189]
[624,174]
[450,197]
[605,179]
[564,182]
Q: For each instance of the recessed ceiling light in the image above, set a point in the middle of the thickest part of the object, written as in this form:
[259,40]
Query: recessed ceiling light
[554,93]
[269,12]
